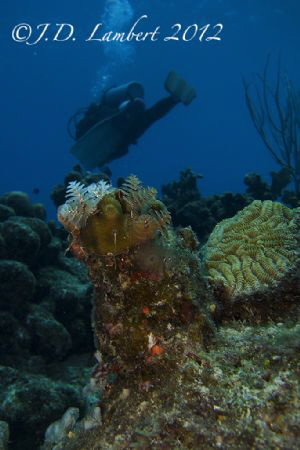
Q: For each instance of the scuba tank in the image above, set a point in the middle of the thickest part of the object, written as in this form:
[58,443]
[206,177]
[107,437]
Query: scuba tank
[115,96]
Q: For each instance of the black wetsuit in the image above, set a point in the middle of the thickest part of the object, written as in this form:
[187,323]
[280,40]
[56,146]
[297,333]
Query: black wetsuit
[132,126]
[94,114]
[149,116]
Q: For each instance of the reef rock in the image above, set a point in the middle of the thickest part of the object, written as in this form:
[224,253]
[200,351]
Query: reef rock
[150,307]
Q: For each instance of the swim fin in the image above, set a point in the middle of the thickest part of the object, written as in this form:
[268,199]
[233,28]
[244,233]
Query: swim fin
[179,88]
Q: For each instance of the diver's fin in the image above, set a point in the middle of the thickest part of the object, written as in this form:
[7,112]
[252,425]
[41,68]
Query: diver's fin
[179,88]
[98,146]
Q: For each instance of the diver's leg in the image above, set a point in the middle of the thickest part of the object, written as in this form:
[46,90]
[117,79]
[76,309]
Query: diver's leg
[137,125]
[159,110]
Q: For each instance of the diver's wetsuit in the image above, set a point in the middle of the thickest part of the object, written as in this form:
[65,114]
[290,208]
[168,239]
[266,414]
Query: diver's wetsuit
[133,126]
[149,116]
[130,125]
[94,114]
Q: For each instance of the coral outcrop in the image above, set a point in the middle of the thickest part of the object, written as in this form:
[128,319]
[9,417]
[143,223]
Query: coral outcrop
[189,207]
[166,376]
[254,252]
[107,221]
[242,393]
[4,434]
[44,321]
[150,300]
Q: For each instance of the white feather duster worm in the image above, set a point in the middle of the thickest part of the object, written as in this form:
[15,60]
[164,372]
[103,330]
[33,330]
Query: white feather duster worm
[81,202]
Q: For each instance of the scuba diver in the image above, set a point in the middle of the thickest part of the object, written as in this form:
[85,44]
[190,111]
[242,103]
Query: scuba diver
[109,127]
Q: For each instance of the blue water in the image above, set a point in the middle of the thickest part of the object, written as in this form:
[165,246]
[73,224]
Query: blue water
[42,85]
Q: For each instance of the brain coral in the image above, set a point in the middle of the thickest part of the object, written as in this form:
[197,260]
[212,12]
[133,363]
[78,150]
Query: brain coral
[254,250]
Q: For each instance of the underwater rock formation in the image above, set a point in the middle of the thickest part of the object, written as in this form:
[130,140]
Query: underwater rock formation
[44,321]
[30,401]
[166,377]
[4,434]
[60,428]
[167,380]
[253,253]
[186,204]
[259,189]
[189,208]
[241,393]
[150,299]
[18,203]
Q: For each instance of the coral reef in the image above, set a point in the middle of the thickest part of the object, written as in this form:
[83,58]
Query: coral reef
[189,208]
[259,189]
[167,380]
[254,252]
[274,109]
[4,434]
[133,258]
[180,364]
[150,300]
[107,221]
[18,203]
[242,392]
[44,321]
[59,429]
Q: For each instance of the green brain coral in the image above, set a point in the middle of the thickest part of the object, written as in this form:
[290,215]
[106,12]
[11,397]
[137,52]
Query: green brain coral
[254,250]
